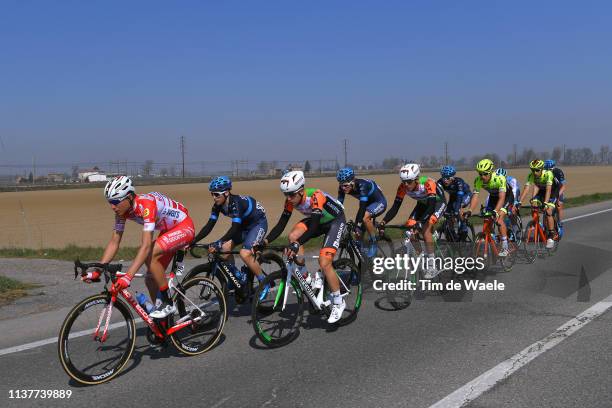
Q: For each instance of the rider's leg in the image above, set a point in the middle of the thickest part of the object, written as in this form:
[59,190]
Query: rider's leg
[156,264]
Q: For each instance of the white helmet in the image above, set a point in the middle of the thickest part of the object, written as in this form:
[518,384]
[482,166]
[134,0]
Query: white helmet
[409,171]
[292,181]
[118,188]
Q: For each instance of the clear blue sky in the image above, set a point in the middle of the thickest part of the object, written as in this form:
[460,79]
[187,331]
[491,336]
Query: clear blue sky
[84,80]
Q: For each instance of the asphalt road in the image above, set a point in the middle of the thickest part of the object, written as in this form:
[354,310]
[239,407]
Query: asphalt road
[409,358]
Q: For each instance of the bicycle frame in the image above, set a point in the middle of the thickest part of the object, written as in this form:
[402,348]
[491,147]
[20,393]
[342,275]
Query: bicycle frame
[487,229]
[538,231]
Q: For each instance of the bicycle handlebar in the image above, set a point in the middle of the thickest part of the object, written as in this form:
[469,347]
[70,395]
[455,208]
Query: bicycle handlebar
[109,270]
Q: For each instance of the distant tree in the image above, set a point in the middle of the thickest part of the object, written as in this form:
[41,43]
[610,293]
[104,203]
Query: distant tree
[30,178]
[604,152]
[307,167]
[391,162]
[75,172]
[147,168]
[163,172]
[172,171]
[556,153]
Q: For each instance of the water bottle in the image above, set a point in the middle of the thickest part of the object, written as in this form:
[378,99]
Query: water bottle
[143,301]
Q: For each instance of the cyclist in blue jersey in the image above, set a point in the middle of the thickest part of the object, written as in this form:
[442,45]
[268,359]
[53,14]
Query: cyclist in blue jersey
[459,193]
[249,222]
[372,202]
[560,180]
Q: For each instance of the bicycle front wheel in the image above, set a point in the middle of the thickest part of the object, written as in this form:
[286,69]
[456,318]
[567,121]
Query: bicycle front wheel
[203,311]
[351,288]
[96,341]
[277,310]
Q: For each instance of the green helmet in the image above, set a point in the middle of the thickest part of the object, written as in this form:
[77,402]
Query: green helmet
[536,164]
[485,166]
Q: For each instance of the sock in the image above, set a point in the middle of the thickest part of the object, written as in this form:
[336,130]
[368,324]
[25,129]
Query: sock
[505,243]
[261,277]
[336,298]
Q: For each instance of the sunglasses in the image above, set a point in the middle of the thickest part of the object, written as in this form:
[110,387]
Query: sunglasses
[346,185]
[409,181]
[216,194]
[115,202]
[484,173]
[536,170]
[291,195]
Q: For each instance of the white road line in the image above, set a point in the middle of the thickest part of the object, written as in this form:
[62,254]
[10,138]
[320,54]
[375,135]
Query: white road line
[586,215]
[478,386]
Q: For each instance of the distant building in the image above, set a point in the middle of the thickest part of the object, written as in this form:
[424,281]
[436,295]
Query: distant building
[56,178]
[92,175]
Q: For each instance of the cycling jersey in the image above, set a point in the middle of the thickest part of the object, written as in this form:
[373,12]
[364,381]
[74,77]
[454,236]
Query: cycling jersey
[559,175]
[317,201]
[244,210]
[459,193]
[364,190]
[546,179]
[155,212]
[249,223]
[427,192]
[497,184]
[426,187]
[321,210]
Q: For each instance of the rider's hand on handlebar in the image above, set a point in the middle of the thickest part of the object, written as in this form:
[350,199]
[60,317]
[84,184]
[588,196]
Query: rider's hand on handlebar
[292,249]
[123,282]
[411,222]
[467,213]
[93,276]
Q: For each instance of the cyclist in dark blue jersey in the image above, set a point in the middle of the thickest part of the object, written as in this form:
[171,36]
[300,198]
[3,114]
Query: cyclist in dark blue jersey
[372,202]
[249,222]
[459,193]
[560,180]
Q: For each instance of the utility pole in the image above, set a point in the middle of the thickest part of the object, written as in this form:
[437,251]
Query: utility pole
[33,170]
[345,152]
[446,153]
[564,153]
[515,155]
[183,156]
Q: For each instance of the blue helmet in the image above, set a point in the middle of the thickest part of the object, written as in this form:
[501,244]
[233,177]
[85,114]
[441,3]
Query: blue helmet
[221,183]
[345,175]
[549,164]
[501,172]
[448,171]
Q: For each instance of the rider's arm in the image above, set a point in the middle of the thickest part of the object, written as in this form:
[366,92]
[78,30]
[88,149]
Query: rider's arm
[399,197]
[146,247]
[313,227]
[214,216]
[112,247]
[341,195]
[233,233]
[363,204]
[280,226]
[547,194]
[500,201]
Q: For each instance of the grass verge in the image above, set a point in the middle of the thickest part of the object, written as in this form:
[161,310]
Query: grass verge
[11,289]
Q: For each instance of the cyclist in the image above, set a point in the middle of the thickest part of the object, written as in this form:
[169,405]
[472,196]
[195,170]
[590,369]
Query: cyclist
[372,202]
[500,198]
[324,216]
[431,204]
[516,191]
[560,177]
[249,223]
[459,193]
[155,212]
[545,190]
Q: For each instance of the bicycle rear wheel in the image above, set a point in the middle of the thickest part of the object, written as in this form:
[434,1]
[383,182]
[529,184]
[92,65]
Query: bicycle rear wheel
[534,246]
[203,306]
[398,293]
[86,357]
[483,250]
[276,319]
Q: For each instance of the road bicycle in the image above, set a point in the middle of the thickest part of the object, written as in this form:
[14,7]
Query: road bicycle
[222,271]
[488,246]
[277,312]
[535,233]
[98,336]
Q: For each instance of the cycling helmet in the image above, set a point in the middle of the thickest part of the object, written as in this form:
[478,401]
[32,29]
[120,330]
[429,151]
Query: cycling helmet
[345,175]
[536,164]
[409,171]
[549,164]
[501,172]
[220,184]
[448,171]
[485,166]
[118,188]
[292,181]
